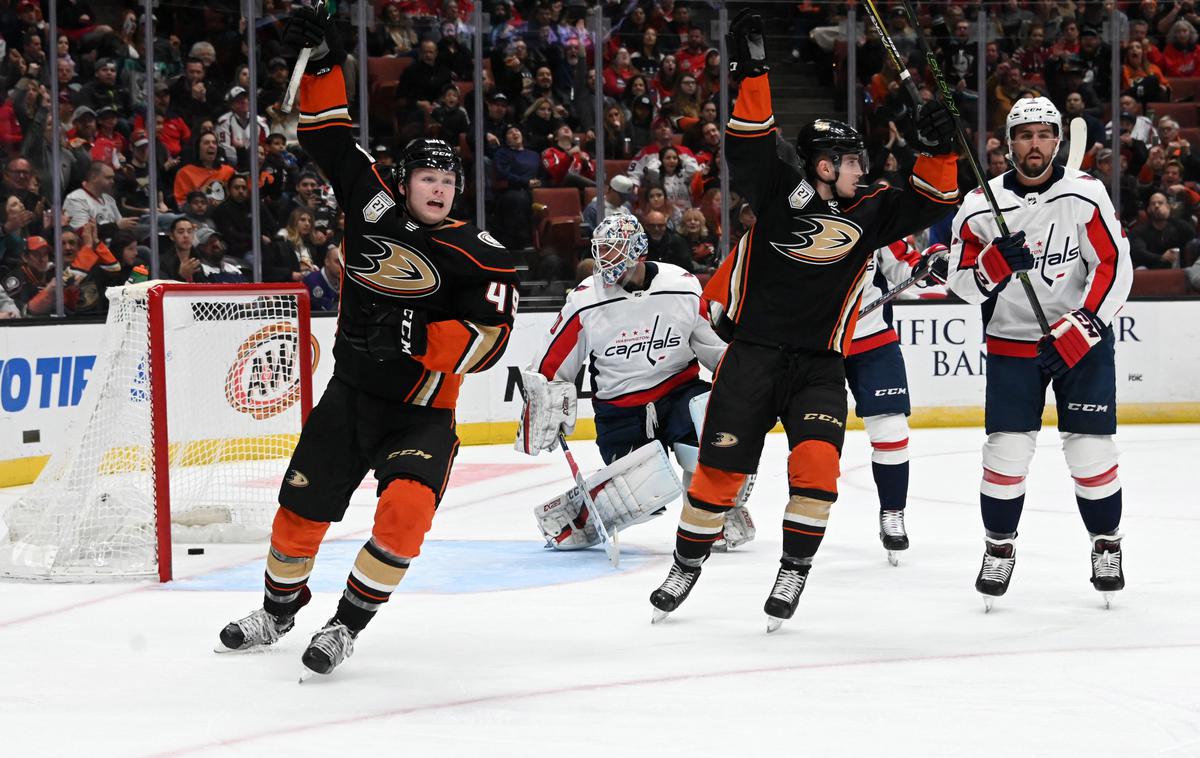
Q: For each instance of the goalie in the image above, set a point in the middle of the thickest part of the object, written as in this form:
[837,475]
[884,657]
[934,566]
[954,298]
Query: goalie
[643,327]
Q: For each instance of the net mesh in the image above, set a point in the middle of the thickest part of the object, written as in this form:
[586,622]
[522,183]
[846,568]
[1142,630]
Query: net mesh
[232,402]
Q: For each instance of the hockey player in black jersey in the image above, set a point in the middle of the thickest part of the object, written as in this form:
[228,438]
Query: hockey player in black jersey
[789,294]
[425,300]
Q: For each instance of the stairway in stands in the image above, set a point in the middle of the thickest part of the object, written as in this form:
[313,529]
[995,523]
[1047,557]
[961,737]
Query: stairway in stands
[797,95]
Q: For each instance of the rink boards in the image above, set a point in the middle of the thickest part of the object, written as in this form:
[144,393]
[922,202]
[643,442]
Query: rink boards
[45,369]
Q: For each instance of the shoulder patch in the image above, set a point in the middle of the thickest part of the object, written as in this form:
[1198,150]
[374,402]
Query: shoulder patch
[379,205]
[488,239]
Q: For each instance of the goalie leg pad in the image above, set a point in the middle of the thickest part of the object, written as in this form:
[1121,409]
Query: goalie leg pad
[561,523]
[687,455]
[697,406]
[631,489]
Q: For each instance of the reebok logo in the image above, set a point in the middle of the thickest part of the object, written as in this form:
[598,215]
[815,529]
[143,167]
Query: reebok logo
[296,479]
[725,439]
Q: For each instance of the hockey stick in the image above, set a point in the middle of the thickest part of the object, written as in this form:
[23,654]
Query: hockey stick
[289,98]
[894,292]
[964,145]
[1078,137]
[611,548]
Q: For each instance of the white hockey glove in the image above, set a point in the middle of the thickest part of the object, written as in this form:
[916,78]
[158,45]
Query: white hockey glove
[628,491]
[549,408]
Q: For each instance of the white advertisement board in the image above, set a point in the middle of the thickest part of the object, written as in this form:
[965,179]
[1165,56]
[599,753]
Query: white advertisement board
[44,370]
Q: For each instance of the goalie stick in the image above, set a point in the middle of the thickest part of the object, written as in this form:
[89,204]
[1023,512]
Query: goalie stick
[948,100]
[894,292]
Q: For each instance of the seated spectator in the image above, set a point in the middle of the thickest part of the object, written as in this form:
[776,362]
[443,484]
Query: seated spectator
[16,225]
[691,56]
[539,124]
[1159,241]
[1183,199]
[177,260]
[192,97]
[1181,55]
[102,90]
[214,269]
[638,87]
[1031,56]
[420,86]
[232,219]
[675,177]
[18,176]
[654,200]
[451,118]
[133,180]
[271,94]
[702,243]
[173,130]
[109,144]
[641,122]
[1177,147]
[33,273]
[709,79]
[82,134]
[517,167]
[290,256]
[617,134]
[688,101]
[664,245]
[233,127]
[1126,183]
[618,198]
[1149,178]
[666,81]
[1076,107]
[208,174]
[664,136]
[647,56]
[94,202]
[308,194]
[618,73]
[564,163]
[393,34]
[196,209]
[1068,39]
[280,165]
[1146,80]
[324,284]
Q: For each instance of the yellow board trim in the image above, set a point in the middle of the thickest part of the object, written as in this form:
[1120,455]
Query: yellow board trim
[19,471]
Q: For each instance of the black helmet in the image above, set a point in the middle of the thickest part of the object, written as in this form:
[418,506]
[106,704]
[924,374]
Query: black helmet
[426,152]
[826,136]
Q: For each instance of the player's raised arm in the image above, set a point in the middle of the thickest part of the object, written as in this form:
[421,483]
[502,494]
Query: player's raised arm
[325,125]
[750,136]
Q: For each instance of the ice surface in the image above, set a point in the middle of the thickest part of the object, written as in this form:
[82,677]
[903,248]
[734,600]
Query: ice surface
[496,647]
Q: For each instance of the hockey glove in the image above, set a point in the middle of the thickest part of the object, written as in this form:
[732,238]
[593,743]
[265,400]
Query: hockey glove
[932,266]
[549,409]
[1002,258]
[387,333]
[308,28]
[1070,338]
[747,49]
[936,129]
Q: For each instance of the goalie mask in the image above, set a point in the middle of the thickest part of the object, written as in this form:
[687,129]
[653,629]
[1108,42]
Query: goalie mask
[426,152]
[1033,110]
[617,243]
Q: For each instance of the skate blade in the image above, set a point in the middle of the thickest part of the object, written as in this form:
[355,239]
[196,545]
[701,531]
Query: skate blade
[1108,598]
[220,649]
[987,603]
[893,557]
[305,674]
[658,616]
[773,624]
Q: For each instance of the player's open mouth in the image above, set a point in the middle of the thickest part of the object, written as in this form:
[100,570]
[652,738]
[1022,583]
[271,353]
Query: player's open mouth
[436,204]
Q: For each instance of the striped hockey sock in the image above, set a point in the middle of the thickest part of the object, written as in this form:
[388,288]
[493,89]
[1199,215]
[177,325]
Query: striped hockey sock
[375,575]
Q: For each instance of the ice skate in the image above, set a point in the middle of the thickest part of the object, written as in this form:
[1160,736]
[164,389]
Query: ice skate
[999,558]
[673,591]
[254,632]
[332,644]
[785,595]
[892,534]
[1107,575]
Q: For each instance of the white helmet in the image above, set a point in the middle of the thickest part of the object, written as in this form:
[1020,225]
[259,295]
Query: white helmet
[617,243]
[1033,110]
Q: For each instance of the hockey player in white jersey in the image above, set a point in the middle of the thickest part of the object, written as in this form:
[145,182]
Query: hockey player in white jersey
[877,380]
[644,330]
[1071,242]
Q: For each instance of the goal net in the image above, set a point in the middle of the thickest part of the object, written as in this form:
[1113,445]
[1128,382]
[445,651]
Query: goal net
[185,427]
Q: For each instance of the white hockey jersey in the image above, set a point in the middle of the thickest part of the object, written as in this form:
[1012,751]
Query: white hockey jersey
[887,267]
[640,345]
[1080,251]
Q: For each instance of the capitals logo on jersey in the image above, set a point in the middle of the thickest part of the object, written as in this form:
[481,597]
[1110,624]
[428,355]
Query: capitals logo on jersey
[647,342]
[821,240]
[396,270]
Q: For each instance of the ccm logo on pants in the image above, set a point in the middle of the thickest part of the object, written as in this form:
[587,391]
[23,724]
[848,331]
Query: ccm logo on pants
[1087,407]
[891,391]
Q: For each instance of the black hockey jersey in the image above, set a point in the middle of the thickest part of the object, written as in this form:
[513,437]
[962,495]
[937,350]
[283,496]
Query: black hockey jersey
[461,277]
[795,278]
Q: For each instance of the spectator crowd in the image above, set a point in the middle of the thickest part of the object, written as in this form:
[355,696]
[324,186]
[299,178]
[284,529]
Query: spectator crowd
[656,123]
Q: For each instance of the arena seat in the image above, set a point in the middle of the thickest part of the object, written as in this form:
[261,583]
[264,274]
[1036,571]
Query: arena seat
[1184,113]
[1168,282]
[558,224]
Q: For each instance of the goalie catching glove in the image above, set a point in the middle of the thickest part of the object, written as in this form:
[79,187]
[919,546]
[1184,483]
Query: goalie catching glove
[549,409]
[628,491]
[1070,338]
